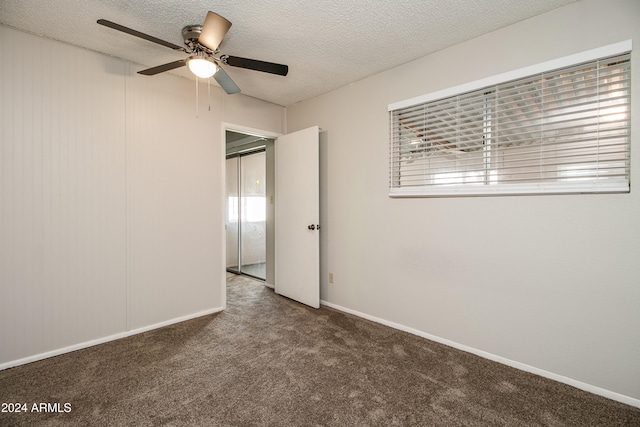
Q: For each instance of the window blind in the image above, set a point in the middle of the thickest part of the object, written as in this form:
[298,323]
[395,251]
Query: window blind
[565,130]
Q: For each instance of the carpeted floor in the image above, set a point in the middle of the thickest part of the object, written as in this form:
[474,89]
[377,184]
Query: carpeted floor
[268,361]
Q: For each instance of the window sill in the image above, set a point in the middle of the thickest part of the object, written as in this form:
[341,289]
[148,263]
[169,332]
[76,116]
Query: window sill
[512,189]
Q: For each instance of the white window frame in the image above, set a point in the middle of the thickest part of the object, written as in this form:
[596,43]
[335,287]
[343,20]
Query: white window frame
[565,187]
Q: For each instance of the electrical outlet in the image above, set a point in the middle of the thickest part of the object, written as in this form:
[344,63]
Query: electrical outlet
[330,277]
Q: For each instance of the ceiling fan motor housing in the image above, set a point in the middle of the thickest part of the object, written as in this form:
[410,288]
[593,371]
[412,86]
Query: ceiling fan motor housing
[190,33]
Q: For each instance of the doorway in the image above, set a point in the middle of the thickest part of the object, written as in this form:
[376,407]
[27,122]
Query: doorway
[248,211]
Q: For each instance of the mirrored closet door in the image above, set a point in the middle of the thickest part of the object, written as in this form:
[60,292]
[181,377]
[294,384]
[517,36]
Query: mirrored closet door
[246,213]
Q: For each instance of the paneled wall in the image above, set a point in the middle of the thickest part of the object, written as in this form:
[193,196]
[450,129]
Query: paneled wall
[63,200]
[111,196]
[172,201]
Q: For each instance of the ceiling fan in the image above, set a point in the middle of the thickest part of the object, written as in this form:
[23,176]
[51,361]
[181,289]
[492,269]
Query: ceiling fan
[202,42]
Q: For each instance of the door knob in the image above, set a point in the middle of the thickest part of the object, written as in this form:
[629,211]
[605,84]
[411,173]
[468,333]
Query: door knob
[311,227]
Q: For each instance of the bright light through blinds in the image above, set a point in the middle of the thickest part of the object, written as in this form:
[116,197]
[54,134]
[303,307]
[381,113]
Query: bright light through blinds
[560,131]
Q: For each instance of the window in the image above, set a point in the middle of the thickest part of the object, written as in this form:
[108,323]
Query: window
[558,127]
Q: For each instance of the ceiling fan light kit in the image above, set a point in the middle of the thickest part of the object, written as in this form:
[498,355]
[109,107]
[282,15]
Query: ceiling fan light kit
[202,66]
[202,43]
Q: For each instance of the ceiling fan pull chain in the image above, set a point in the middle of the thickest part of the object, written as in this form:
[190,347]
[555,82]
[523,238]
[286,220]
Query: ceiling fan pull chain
[196,97]
[209,92]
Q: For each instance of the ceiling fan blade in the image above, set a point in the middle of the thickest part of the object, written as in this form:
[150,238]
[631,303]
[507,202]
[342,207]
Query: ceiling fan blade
[213,31]
[164,67]
[254,64]
[225,82]
[139,34]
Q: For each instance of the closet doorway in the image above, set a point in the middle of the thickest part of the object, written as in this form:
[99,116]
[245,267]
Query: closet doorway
[249,213]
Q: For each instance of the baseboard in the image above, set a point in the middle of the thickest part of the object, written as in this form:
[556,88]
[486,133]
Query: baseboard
[106,339]
[523,367]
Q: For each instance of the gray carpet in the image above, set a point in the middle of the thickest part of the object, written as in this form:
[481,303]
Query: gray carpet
[269,361]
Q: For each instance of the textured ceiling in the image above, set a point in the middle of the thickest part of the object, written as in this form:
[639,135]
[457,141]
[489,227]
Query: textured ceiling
[327,44]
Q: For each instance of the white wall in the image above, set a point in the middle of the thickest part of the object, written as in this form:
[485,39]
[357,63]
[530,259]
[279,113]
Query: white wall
[111,196]
[550,282]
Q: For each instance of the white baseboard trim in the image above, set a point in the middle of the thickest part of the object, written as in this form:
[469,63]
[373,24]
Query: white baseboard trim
[106,339]
[523,367]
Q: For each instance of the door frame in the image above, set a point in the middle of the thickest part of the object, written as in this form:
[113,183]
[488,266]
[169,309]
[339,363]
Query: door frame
[223,147]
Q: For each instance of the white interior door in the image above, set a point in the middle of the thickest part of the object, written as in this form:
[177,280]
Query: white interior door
[297,212]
